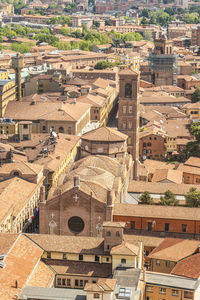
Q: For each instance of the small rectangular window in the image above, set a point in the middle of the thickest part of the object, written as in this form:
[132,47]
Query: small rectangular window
[80,257]
[76,282]
[64,256]
[96,258]
[48,254]
[123,261]
[96,296]
[188,295]
[132,224]
[59,281]
[63,281]
[175,292]
[184,227]
[157,262]
[166,226]
[68,282]
[81,283]
[167,263]
[149,226]
[162,290]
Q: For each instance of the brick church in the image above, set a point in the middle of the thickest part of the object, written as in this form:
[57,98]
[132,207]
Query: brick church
[85,197]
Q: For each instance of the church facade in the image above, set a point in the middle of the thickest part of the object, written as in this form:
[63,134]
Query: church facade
[85,197]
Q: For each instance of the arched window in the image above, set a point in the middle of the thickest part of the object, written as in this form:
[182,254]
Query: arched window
[16,173]
[128,90]
[52,226]
[61,129]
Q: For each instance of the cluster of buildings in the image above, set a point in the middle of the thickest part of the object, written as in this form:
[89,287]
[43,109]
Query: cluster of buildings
[79,146]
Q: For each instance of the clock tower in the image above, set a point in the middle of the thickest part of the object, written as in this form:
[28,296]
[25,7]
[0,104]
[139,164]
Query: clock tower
[128,112]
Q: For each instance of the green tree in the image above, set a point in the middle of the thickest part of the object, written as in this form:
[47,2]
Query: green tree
[145,198]
[64,31]
[50,39]
[148,36]
[168,199]
[192,149]
[21,48]
[132,36]
[62,45]
[192,198]
[191,18]
[103,64]
[196,95]
[195,130]
[145,13]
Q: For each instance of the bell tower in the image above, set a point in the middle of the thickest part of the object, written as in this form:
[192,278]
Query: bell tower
[128,112]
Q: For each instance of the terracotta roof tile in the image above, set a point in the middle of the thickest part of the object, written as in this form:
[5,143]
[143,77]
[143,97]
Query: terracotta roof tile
[125,249]
[15,193]
[80,268]
[43,276]
[107,285]
[105,134]
[188,267]
[156,211]
[68,244]
[174,249]
[6,242]
[19,264]
[159,188]
[167,174]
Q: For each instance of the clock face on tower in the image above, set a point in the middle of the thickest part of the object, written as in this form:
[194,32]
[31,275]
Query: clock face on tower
[128,90]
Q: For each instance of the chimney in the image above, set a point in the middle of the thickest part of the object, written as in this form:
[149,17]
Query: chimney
[76,181]
[16,284]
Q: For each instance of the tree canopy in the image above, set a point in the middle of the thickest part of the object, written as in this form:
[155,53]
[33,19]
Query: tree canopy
[195,130]
[193,198]
[169,199]
[196,95]
[103,64]
[145,198]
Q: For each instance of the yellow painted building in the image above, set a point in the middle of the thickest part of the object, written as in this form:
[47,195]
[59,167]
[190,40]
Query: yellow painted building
[8,126]
[58,162]
[131,59]
[3,74]
[192,110]
[19,197]
[7,94]
[171,144]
